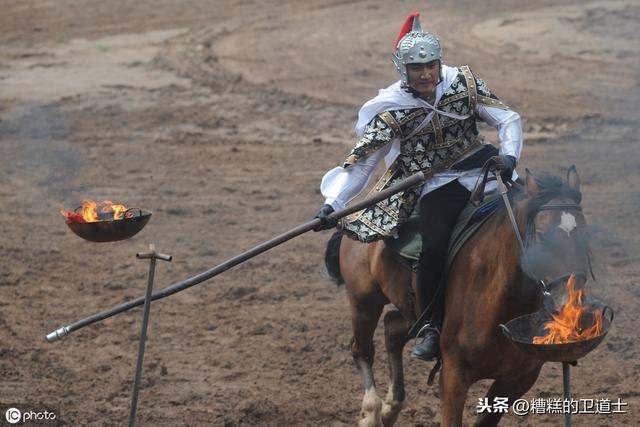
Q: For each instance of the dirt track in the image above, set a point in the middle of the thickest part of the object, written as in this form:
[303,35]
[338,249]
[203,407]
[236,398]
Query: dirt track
[221,117]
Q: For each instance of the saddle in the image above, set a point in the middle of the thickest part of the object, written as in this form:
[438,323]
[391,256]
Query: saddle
[408,244]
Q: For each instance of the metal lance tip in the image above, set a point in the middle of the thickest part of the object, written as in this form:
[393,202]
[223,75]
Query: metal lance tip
[57,334]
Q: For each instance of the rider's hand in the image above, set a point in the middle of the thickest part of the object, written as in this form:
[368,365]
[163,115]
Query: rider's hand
[323,215]
[505,165]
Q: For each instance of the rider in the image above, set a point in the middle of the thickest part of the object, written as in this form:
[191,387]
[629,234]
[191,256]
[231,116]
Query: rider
[426,122]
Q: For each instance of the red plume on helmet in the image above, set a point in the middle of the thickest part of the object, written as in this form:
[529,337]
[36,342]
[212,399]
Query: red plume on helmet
[406,28]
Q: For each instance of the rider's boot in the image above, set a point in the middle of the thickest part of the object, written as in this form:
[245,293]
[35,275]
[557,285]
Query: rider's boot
[430,299]
[429,348]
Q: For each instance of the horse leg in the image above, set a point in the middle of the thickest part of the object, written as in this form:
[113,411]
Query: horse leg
[512,388]
[454,385]
[395,337]
[365,315]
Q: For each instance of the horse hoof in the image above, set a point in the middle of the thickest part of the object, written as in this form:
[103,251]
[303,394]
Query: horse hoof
[370,421]
[390,412]
[371,408]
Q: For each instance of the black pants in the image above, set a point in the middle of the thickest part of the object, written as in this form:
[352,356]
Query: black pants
[439,212]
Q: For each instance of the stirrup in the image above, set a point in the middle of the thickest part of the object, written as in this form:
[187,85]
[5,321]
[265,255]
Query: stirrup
[426,327]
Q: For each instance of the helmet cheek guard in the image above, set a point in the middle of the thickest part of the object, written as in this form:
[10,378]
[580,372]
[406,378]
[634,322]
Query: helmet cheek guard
[415,47]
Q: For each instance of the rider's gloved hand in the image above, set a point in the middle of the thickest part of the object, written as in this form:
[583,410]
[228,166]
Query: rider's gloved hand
[505,164]
[323,215]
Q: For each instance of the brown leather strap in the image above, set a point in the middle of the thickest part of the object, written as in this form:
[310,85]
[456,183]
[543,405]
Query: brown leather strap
[471,87]
[388,118]
[477,195]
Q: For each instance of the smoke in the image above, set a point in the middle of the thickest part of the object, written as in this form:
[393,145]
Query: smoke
[591,249]
[34,149]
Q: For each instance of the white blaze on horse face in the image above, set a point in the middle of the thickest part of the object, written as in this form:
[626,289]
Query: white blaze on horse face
[567,222]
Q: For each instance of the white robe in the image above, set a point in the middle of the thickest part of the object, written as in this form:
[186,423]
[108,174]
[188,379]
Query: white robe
[340,185]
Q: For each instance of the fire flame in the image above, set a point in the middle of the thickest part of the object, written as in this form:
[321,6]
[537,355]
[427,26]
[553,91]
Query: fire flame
[567,325]
[118,210]
[88,211]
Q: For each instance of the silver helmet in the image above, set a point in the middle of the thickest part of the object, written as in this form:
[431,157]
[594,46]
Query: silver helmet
[415,47]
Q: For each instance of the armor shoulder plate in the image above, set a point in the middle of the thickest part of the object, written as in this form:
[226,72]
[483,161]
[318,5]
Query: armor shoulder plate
[471,87]
[484,95]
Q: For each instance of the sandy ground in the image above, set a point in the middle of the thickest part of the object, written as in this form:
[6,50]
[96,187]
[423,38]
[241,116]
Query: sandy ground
[221,117]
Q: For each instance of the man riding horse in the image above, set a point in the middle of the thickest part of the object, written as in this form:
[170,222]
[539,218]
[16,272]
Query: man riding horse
[426,121]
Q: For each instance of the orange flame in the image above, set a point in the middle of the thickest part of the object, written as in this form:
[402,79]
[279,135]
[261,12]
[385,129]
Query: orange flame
[118,210]
[567,325]
[88,212]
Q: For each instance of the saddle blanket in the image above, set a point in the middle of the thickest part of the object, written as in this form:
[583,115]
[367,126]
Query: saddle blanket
[409,244]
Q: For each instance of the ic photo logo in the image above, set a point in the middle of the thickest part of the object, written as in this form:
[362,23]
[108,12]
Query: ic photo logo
[13,415]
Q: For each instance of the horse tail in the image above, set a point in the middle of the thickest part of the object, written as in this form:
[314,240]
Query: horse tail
[332,258]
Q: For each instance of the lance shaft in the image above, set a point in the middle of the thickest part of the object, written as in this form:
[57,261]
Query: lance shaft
[407,183]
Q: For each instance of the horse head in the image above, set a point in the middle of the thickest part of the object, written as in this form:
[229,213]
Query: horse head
[555,232]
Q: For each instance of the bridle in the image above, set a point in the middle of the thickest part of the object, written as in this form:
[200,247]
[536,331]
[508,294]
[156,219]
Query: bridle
[530,231]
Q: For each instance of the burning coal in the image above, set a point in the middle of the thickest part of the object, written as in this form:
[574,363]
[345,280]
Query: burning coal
[570,323]
[91,211]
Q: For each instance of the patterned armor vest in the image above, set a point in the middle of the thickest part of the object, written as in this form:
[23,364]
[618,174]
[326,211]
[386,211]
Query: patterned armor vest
[426,145]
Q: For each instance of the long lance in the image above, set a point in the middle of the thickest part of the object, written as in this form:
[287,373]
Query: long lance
[409,182]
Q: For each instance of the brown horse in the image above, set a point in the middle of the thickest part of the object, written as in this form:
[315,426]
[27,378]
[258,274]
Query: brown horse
[488,284]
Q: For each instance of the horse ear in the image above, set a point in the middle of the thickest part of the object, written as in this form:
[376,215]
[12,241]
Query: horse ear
[530,183]
[573,179]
